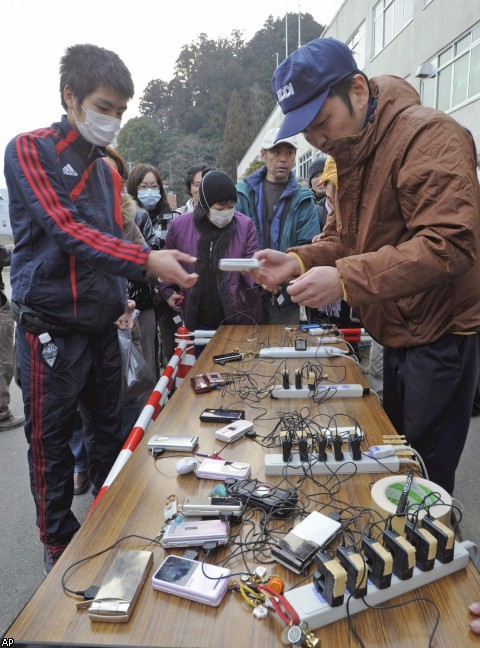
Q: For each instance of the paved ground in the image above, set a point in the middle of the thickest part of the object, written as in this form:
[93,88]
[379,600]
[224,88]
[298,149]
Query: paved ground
[21,556]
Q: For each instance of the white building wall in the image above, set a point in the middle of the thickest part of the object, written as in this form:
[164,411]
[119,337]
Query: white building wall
[5,228]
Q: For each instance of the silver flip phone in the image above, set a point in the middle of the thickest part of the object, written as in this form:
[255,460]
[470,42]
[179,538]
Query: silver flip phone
[180,443]
[212,506]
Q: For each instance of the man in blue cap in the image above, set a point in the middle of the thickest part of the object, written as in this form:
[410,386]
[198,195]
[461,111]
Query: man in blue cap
[403,246]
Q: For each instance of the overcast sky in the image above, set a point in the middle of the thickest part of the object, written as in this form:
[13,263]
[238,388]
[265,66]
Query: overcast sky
[148,37]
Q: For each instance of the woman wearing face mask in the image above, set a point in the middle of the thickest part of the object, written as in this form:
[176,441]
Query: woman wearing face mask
[212,232]
[145,185]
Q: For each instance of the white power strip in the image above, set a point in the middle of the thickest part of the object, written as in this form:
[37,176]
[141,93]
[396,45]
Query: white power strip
[328,391]
[309,352]
[274,465]
[316,612]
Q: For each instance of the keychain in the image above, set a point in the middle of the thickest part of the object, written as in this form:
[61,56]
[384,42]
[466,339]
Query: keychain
[170,511]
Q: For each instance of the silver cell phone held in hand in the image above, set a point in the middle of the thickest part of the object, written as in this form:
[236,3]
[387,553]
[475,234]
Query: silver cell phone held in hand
[240,265]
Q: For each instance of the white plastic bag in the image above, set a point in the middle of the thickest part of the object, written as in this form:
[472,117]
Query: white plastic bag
[137,377]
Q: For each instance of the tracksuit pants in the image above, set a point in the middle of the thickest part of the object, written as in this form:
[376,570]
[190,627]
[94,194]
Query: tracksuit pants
[86,373]
[428,396]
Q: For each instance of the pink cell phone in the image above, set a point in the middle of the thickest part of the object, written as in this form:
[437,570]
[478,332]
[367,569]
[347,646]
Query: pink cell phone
[192,580]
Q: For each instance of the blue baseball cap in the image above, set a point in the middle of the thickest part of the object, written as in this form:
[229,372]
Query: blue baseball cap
[302,81]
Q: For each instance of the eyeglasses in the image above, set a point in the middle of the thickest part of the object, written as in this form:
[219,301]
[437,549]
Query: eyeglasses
[144,186]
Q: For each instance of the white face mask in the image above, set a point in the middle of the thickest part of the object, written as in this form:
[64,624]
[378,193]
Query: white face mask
[148,197]
[221,217]
[98,129]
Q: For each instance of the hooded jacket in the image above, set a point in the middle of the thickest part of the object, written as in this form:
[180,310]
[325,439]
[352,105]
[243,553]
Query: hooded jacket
[69,256]
[240,298]
[187,207]
[297,227]
[405,233]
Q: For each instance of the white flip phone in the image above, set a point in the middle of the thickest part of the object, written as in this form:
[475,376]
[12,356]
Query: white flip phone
[233,431]
[192,580]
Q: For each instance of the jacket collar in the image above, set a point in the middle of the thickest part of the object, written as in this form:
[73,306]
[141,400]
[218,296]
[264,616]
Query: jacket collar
[393,96]
[259,176]
[73,136]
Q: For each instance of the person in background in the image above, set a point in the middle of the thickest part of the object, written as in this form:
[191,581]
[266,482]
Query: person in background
[7,420]
[68,275]
[403,249]
[82,434]
[282,210]
[145,185]
[316,185]
[215,230]
[193,177]
[327,181]
[143,293]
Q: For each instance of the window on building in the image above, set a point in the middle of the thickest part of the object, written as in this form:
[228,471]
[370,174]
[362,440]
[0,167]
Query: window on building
[303,164]
[389,18]
[458,73]
[358,46]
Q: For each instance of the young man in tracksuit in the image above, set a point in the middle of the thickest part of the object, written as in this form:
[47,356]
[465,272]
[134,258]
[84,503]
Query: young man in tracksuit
[68,276]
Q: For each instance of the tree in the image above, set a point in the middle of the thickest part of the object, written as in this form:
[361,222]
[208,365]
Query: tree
[156,103]
[206,73]
[259,106]
[252,167]
[235,136]
[140,141]
[181,151]
[216,103]
[261,52]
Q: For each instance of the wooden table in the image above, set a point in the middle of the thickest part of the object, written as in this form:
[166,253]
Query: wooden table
[134,505]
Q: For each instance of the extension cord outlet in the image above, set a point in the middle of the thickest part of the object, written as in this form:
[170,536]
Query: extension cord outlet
[328,391]
[274,465]
[309,352]
[313,609]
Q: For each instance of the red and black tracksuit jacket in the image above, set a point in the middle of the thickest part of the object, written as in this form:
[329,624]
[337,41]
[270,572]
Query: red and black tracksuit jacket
[69,257]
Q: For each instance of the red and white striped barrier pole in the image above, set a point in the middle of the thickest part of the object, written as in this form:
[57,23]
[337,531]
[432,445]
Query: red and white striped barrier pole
[188,358]
[150,412]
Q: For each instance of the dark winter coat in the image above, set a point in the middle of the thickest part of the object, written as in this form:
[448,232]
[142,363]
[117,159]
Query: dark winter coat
[238,294]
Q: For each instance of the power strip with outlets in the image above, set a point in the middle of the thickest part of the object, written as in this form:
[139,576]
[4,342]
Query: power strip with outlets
[322,391]
[309,352]
[316,612]
[274,465]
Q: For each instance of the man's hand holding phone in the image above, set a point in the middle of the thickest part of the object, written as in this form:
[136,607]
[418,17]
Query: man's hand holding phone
[275,268]
[317,287]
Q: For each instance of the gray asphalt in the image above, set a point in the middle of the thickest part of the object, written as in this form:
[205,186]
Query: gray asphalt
[21,553]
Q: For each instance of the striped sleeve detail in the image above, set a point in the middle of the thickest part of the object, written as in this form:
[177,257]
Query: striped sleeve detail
[63,218]
[36,433]
[65,142]
[73,283]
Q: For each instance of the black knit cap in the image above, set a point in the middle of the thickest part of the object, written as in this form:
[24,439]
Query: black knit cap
[215,187]
[317,166]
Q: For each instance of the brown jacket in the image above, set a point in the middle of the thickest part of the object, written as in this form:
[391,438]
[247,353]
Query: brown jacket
[405,235]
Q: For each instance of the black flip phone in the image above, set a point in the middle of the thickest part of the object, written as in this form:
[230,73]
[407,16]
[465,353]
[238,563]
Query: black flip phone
[221,415]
